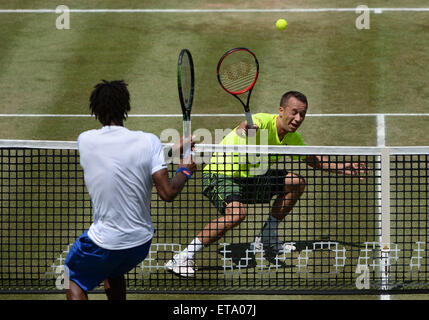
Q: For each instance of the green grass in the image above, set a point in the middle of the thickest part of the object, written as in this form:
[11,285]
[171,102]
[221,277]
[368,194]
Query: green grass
[339,68]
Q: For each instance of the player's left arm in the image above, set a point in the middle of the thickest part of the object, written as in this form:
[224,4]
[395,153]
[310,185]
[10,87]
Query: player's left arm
[347,168]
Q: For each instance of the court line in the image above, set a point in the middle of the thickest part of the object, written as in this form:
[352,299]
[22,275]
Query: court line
[381,130]
[291,10]
[220,115]
[380,118]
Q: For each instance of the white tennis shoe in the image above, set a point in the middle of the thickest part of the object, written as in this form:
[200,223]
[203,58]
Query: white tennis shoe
[274,244]
[182,265]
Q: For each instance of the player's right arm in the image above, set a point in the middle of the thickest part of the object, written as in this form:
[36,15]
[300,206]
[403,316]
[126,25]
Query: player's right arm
[243,129]
[168,188]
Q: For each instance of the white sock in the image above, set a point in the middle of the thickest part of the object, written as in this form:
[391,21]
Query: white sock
[270,228]
[193,248]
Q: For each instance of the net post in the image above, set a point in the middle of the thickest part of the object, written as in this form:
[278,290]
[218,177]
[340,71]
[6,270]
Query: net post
[385,218]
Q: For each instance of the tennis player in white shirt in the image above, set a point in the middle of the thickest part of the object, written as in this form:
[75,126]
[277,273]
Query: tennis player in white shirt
[120,167]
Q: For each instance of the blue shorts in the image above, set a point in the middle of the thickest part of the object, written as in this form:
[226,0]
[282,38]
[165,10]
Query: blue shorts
[88,265]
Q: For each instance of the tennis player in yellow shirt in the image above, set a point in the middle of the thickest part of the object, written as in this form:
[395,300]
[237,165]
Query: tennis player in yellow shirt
[230,185]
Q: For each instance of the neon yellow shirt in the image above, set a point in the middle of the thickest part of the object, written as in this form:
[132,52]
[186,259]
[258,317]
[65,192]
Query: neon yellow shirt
[242,165]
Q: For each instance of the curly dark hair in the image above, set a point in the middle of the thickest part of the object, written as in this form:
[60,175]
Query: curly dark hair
[110,102]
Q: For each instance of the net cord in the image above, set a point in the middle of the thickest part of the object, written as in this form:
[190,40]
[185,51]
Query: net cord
[252,149]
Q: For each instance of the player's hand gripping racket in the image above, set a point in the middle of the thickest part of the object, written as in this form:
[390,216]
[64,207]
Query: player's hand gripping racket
[185,84]
[237,72]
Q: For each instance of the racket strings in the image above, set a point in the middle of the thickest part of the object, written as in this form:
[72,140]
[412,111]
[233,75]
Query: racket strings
[237,85]
[238,76]
[186,82]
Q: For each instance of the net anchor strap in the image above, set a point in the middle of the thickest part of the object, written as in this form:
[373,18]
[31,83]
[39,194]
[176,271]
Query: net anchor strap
[385,218]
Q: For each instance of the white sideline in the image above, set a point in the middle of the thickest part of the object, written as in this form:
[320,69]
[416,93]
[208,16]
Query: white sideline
[380,118]
[291,10]
[219,115]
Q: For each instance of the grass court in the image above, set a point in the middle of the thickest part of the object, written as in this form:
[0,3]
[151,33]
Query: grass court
[365,87]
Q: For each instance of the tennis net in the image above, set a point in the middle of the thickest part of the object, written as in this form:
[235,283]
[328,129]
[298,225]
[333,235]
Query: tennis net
[350,235]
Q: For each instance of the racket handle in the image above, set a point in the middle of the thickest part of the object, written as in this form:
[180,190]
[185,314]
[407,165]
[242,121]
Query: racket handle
[186,154]
[187,151]
[186,134]
[249,119]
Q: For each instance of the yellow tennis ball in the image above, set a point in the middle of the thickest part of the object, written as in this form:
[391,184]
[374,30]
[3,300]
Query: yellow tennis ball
[281,24]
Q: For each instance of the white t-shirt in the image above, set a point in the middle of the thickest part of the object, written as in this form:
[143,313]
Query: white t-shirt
[118,165]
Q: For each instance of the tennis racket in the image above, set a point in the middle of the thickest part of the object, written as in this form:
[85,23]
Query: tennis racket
[237,72]
[185,84]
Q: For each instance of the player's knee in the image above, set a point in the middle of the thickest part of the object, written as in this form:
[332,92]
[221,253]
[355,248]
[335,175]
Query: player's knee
[295,183]
[301,184]
[237,212]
